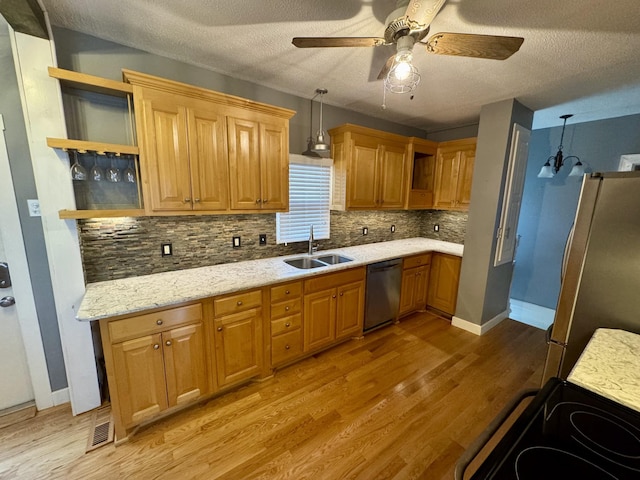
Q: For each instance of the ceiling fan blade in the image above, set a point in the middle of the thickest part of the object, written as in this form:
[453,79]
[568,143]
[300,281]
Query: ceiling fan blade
[316,42]
[387,66]
[422,12]
[470,45]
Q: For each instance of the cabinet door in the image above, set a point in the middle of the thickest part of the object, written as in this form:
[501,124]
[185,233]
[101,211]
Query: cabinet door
[139,374]
[244,164]
[274,166]
[422,286]
[465,178]
[238,346]
[185,364]
[407,291]
[443,282]
[392,176]
[166,153]
[208,156]
[447,166]
[350,310]
[319,319]
[362,175]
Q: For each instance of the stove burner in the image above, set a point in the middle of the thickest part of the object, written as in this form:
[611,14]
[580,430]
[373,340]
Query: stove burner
[611,435]
[534,463]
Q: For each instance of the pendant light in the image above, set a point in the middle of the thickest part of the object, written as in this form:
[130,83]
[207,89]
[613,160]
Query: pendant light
[548,170]
[320,145]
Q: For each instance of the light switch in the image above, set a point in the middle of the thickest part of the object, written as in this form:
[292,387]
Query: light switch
[236,242]
[393,229]
[166,249]
[365,231]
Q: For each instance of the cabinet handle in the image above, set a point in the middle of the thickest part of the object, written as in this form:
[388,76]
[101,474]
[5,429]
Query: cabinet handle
[156,346]
[187,200]
[239,302]
[219,329]
[333,296]
[197,200]
[341,293]
[257,200]
[168,343]
[418,274]
[286,292]
[287,324]
[287,347]
[286,309]
[264,200]
[159,321]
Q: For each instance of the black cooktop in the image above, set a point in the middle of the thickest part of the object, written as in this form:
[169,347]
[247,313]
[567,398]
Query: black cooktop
[568,432]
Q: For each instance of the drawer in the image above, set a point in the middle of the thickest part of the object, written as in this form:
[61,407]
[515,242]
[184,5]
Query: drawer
[286,324]
[325,282]
[237,303]
[286,347]
[283,292]
[417,260]
[286,308]
[140,325]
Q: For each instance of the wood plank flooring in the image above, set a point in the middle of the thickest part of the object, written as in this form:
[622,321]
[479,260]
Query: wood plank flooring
[402,403]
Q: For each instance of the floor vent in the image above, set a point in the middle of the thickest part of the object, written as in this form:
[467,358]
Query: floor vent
[101,431]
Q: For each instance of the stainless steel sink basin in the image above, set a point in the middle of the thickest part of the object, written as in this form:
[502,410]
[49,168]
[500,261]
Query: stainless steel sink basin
[333,259]
[306,263]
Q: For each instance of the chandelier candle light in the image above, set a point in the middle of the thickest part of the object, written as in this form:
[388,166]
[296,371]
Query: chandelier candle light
[548,171]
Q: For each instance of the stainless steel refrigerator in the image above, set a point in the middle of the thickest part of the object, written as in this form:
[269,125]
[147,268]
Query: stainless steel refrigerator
[601,279]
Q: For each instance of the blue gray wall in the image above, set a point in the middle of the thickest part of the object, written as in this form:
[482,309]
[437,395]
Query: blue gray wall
[549,204]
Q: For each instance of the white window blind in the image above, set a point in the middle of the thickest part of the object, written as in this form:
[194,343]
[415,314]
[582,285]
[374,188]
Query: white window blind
[309,200]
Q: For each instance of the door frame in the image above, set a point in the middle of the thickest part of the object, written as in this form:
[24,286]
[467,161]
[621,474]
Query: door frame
[21,280]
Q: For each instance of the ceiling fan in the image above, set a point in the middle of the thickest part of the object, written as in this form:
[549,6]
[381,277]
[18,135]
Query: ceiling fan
[410,25]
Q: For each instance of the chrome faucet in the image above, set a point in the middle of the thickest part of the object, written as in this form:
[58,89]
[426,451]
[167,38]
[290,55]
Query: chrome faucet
[312,248]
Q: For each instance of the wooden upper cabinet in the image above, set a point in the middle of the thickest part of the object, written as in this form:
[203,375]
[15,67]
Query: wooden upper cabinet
[454,174]
[421,173]
[369,169]
[207,152]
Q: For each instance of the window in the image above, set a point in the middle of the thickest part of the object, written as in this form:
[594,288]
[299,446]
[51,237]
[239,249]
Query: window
[309,199]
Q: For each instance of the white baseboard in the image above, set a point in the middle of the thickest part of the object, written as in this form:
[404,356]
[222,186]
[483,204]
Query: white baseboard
[531,314]
[479,329]
[60,396]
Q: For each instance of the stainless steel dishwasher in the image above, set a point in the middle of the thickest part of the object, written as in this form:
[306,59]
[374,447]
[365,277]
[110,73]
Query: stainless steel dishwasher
[383,293]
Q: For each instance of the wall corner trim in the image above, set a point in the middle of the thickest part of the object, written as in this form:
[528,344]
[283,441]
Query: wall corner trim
[479,329]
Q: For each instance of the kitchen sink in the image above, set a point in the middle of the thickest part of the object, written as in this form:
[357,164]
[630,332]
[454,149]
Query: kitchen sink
[306,263]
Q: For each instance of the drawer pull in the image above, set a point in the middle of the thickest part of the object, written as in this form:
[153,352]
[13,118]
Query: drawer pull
[341,293]
[286,309]
[286,292]
[168,343]
[287,347]
[287,324]
[156,346]
[187,200]
[219,329]
[239,302]
[159,321]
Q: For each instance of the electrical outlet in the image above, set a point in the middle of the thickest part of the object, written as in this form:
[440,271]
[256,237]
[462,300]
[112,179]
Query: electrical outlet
[166,249]
[34,208]
[436,228]
[263,239]
[393,229]
[236,242]
[365,231]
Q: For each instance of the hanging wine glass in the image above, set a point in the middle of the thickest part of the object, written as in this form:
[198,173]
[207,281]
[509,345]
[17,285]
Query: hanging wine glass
[78,172]
[130,173]
[96,174]
[113,172]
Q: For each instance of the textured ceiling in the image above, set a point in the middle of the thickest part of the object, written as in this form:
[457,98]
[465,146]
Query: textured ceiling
[578,56]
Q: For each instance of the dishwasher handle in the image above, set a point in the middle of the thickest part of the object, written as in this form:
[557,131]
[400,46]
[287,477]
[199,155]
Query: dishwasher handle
[479,443]
[382,269]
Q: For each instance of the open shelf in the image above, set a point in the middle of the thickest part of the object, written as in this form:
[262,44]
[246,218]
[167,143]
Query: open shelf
[87,146]
[78,214]
[91,83]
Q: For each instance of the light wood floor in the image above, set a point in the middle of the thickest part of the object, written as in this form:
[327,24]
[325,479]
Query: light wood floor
[404,402]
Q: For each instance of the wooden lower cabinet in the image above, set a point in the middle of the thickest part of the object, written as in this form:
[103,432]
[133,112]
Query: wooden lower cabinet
[238,346]
[415,282]
[443,282]
[154,362]
[333,308]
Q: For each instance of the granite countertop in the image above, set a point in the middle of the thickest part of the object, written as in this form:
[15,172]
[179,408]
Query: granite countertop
[130,295]
[610,366]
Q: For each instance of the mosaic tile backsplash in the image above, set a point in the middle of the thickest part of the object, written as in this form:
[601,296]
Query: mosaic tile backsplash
[127,247]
